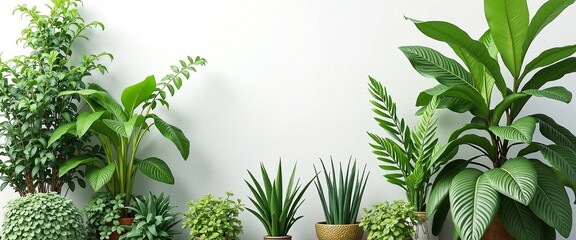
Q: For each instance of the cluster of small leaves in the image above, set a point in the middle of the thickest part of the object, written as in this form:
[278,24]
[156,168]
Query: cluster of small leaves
[153,219]
[42,216]
[101,210]
[385,221]
[173,81]
[213,218]
[30,101]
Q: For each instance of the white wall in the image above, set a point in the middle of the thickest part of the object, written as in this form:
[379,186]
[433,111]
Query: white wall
[285,78]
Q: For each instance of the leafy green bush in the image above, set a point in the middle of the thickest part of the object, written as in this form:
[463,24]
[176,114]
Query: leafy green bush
[153,219]
[214,218]
[42,216]
[103,209]
[387,221]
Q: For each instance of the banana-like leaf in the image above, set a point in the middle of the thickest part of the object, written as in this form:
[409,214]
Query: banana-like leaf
[555,132]
[134,95]
[118,127]
[469,139]
[508,21]
[156,169]
[135,121]
[174,134]
[442,183]
[549,56]
[84,122]
[556,93]
[551,202]
[505,104]
[73,163]
[516,179]
[440,217]
[522,130]
[561,158]
[457,91]
[519,220]
[100,128]
[473,202]
[60,131]
[466,127]
[98,177]
[546,14]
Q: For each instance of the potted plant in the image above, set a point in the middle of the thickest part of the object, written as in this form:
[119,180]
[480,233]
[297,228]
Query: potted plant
[120,128]
[276,207]
[341,201]
[153,219]
[213,218]
[31,106]
[103,213]
[385,221]
[525,194]
[406,156]
[42,216]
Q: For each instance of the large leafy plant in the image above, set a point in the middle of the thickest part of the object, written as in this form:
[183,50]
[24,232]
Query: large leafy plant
[516,184]
[343,195]
[120,128]
[153,219]
[212,218]
[276,207]
[406,156]
[30,103]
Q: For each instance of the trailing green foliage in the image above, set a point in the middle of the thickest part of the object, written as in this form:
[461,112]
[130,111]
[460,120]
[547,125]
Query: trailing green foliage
[406,155]
[527,194]
[213,218]
[344,191]
[42,216]
[31,105]
[385,221]
[153,219]
[275,206]
[120,128]
[103,215]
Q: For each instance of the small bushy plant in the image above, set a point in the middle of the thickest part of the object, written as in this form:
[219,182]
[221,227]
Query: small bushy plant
[42,216]
[387,221]
[214,218]
[103,209]
[153,219]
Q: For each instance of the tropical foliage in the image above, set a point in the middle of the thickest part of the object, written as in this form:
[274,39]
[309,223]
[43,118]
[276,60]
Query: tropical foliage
[343,195]
[390,221]
[406,156]
[526,193]
[276,207]
[103,213]
[153,219]
[212,218]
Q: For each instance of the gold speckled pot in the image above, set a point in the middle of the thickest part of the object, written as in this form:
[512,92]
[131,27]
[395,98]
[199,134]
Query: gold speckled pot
[338,232]
[288,237]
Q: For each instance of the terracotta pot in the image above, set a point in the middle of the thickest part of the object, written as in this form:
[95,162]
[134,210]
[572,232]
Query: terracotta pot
[496,231]
[338,232]
[123,221]
[288,237]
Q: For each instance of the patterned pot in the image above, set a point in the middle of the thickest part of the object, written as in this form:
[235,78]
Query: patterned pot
[338,232]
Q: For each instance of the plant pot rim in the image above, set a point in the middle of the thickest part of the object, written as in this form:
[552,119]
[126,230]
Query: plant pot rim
[277,236]
[348,224]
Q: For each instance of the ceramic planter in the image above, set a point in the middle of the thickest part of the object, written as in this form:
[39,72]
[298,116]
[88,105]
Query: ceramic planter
[288,237]
[338,232]
[123,221]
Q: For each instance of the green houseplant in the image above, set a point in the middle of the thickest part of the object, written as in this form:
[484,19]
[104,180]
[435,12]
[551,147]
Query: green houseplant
[513,183]
[103,213]
[30,102]
[340,201]
[153,219]
[276,207]
[406,156]
[385,221]
[42,216]
[213,218]
[120,128]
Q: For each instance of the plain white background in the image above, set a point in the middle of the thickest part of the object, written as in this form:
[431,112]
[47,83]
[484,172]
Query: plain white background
[285,79]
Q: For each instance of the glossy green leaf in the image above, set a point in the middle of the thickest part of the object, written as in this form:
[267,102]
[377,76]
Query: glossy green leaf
[84,122]
[546,14]
[473,202]
[174,134]
[508,21]
[551,202]
[156,169]
[440,217]
[519,220]
[549,56]
[442,183]
[469,139]
[561,158]
[522,130]
[136,94]
[135,122]
[555,132]
[556,93]
[504,105]
[516,179]
[60,131]
[73,163]
[98,177]
[117,126]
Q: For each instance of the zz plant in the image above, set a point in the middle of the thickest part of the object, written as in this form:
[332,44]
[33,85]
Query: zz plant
[31,104]
[522,182]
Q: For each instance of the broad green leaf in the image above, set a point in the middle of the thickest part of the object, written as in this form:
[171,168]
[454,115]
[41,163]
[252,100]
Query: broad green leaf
[60,131]
[469,139]
[84,122]
[442,184]
[473,202]
[561,158]
[135,121]
[101,129]
[136,94]
[548,57]
[546,14]
[551,202]
[519,220]
[457,91]
[174,134]
[466,127]
[504,105]
[454,36]
[522,130]
[73,163]
[117,126]
[156,169]
[516,179]
[557,93]
[440,217]
[508,21]
[98,177]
